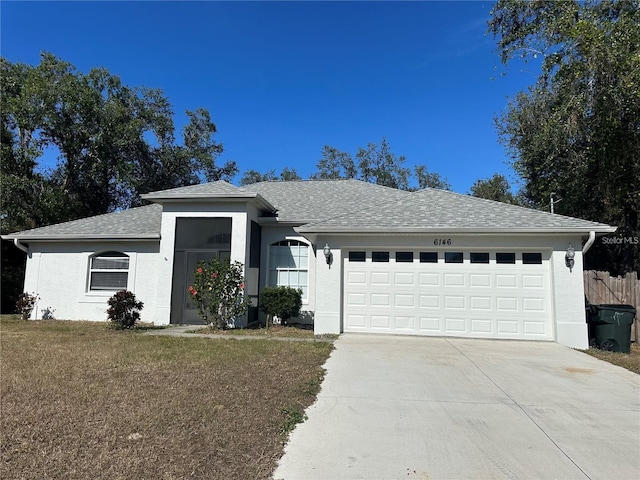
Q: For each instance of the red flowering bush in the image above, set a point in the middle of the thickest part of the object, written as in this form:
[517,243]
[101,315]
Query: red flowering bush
[218,292]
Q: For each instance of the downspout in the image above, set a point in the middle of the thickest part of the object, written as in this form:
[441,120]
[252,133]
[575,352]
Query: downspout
[587,246]
[17,243]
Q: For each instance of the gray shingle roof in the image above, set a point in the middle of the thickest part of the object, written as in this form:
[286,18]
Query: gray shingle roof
[318,206]
[439,210]
[315,200]
[212,188]
[135,223]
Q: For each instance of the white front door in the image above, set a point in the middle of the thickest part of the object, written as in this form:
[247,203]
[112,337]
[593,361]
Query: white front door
[464,293]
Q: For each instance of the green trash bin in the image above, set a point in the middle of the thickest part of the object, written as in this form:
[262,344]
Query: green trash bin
[610,327]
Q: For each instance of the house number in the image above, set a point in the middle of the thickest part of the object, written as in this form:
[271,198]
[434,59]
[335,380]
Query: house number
[442,241]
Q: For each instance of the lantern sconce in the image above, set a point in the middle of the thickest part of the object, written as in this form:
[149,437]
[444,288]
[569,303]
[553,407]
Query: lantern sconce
[327,253]
[569,258]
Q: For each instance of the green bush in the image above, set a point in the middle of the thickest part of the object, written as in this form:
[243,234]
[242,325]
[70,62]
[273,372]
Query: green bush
[218,292]
[282,302]
[24,305]
[124,309]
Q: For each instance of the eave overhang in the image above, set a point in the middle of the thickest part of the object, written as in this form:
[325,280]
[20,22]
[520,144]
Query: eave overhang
[253,198]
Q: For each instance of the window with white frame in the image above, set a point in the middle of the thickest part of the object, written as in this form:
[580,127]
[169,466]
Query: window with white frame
[108,271]
[289,265]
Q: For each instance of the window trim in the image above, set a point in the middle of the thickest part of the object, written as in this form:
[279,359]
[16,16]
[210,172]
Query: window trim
[273,268]
[111,254]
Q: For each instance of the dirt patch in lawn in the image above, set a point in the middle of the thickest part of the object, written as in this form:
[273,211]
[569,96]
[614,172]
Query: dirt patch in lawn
[630,361]
[82,401]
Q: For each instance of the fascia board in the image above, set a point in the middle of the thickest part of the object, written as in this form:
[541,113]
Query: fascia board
[208,197]
[83,237]
[458,230]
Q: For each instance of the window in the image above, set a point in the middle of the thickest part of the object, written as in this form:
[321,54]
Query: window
[289,265]
[476,257]
[505,258]
[428,257]
[453,257]
[404,257]
[531,258]
[379,256]
[357,256]
[108,271]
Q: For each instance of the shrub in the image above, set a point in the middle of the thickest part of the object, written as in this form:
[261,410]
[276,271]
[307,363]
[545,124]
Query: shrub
[282,302]
[24,305]
[124,309]
[218,292]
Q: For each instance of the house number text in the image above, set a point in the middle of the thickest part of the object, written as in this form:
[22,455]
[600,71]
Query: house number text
[442,241]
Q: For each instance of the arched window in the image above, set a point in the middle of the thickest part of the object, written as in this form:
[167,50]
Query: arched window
[289,265]
[108,271]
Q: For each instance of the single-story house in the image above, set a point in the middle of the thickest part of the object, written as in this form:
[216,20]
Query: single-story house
[368,258]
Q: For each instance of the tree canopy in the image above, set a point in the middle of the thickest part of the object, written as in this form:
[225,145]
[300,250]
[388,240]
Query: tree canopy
[576,132]
[376,163]
[496,188]
[113,143]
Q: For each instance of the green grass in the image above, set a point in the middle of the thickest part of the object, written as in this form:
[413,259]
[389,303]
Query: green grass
[80,400]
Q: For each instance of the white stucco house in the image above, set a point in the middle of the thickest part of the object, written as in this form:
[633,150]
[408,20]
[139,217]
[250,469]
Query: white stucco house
[368,258]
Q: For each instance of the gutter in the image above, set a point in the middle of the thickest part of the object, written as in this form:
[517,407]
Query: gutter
[587,246]
[19,245]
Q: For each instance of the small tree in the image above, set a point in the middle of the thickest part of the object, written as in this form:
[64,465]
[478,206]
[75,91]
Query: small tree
[282,302]
[124,309]
[218,292]
[24,305]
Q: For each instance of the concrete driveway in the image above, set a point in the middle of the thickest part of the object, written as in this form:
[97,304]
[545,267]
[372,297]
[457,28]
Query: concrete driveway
[396,407]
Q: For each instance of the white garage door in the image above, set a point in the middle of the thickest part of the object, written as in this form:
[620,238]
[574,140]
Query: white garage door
[503,294]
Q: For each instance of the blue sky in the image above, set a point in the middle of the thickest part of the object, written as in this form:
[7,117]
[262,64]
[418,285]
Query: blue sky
[283,79]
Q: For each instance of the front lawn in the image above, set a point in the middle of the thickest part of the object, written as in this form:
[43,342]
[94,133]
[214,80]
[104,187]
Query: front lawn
[82,401]
[630,361]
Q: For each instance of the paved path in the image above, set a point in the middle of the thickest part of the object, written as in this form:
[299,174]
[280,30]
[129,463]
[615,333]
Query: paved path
[435,408]
[187,331]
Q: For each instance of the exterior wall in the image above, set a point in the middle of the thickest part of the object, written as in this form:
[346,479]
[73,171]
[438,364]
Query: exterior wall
[273,234]
[567,289]
[59,274]
[239,246]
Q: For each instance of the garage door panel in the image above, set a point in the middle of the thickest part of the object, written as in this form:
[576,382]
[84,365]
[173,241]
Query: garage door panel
[483,326]
[381,321]
[479,280]
[477,300]
[429,279]
[429,301]
[404,300]
[404,278]
[431,325]
[451,301]
[380,278]
[480,303]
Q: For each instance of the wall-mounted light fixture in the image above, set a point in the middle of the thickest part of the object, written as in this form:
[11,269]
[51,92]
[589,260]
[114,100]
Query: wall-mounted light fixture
[569,258]
[327,253]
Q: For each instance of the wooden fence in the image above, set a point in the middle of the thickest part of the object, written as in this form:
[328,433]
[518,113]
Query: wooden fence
[602,288]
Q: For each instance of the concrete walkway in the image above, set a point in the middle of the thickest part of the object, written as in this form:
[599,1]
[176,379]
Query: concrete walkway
[187,331]
[435,408]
